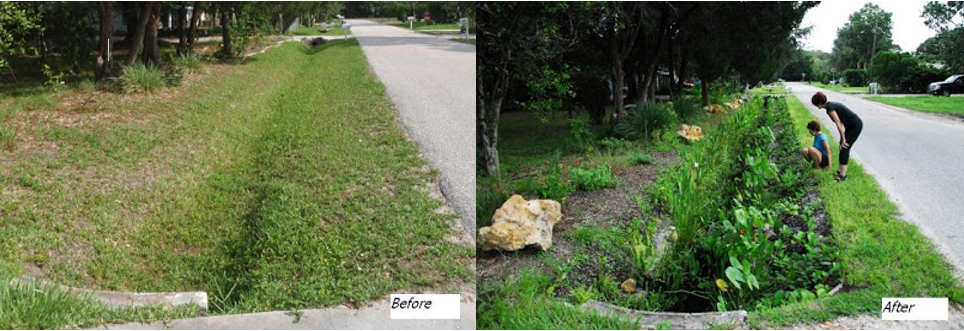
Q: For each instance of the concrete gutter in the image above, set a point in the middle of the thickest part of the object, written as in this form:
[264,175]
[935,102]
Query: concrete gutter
[678,321]
[376,316]
[122,299]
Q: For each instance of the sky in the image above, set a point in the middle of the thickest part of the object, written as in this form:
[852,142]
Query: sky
[909,29]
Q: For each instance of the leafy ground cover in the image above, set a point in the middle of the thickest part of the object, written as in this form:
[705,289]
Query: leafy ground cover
[868,231]
[926,103]
[249,182]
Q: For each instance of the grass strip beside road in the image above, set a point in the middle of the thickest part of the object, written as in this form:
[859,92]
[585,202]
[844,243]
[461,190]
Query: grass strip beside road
[842,89]
[263,188]
[334,30]
[925,103]
[882,255]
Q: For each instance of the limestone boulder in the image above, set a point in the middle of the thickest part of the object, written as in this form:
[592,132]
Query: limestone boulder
[520,223]
[690,133]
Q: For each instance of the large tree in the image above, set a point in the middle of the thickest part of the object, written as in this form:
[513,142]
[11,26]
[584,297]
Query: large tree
[514,45]
[947,18]
[104,64]
[868,31]
[144,10]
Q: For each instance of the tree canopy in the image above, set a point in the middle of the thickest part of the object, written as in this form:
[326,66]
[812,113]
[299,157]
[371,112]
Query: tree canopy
[869,30]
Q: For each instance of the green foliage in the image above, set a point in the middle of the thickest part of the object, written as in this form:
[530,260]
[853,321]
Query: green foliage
[854,77]
[727,198]
[55,80]
[17,19]
[139,78]
[190,62]
[593,179]
[556,185]
[522,303]
[646,121]
[615,144]
[686,109]
[640,158]
[904,73]
[581,135]
[33,306]
[856,44]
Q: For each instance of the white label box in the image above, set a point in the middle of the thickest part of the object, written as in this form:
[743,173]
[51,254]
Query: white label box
[425,306]
[913,309]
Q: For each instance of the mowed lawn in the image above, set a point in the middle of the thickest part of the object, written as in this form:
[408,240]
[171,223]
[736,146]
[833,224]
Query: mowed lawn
[280,183]
[927,103]
[334,30]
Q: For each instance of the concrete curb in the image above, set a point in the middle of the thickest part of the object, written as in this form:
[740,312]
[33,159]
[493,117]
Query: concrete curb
[678,321]
[376,316]
[124,299]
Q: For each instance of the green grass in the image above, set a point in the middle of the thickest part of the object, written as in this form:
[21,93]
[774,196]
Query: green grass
[842,89]
[263,189]
[882,255]
[925,103]
[521,304]
[31,306]
[778,88]
[421,26]
[334,30]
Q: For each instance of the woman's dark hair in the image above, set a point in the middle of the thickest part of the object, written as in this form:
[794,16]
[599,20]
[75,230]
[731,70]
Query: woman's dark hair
[818,99]
[813,125]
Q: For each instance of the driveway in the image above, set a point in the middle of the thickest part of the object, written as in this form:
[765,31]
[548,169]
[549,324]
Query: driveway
[432,83]
[917,158]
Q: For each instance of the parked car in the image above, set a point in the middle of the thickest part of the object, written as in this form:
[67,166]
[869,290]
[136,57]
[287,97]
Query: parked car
[953,84]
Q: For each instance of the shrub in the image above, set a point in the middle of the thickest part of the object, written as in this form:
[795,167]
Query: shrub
[141,78]
[645,120]
[556,186]
[590,93]
[640,158]
[593,179]
[581,135]
[87,85]
[854,77]
[686,109]
[614,144]
[190,62]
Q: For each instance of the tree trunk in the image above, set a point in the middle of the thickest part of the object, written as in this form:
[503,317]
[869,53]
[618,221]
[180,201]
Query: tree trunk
[131,14]
[182,29]
[672,71]
[618,108]
[137,41]
[152,54]
[104,64]
[228,51]
[195,19]
[487,123]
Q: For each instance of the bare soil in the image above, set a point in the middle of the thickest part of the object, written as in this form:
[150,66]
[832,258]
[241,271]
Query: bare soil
[602,209]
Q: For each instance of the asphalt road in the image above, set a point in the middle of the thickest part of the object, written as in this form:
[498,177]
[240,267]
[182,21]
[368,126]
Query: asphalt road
[432,83]
[918,159]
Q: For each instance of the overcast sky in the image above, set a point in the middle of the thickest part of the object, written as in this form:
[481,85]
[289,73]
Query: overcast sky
[909,29]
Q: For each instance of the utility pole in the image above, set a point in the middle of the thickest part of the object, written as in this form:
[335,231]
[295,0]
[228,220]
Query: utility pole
[873,53]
